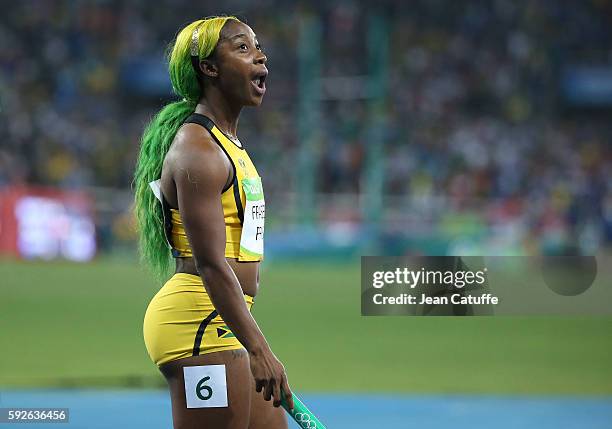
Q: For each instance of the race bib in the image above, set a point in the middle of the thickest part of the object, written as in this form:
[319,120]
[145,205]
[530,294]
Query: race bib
[205,386]
[252,238]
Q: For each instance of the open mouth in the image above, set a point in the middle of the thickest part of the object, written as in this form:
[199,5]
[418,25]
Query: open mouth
[259,81]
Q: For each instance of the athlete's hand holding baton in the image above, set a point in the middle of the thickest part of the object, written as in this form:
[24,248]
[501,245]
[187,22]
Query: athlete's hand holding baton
[270,376]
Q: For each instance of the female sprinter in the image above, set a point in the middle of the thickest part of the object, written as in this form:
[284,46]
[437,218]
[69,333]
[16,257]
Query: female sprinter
[207,211]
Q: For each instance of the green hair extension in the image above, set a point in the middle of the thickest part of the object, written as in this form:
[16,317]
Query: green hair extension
[159,134]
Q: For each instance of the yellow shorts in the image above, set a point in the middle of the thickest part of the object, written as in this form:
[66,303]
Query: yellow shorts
[181,321]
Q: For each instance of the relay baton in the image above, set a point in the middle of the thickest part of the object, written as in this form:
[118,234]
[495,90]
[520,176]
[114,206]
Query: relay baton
[302,415]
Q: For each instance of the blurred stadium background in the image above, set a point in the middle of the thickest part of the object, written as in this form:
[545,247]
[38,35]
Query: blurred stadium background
[423,127]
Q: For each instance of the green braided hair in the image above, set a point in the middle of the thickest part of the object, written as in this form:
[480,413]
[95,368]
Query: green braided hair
[160,132]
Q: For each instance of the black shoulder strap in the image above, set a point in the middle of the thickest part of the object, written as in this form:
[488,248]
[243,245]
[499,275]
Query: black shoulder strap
[198,118]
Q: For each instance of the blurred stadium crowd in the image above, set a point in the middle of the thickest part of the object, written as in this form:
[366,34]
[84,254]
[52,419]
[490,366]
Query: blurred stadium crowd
[477,121]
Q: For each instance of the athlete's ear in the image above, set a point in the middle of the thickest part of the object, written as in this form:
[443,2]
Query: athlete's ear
[209,68]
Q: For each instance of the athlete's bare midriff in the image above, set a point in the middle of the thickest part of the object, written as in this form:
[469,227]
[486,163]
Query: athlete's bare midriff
[246,272]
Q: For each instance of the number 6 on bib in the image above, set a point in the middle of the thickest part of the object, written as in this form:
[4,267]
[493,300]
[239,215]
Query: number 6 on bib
[205,386]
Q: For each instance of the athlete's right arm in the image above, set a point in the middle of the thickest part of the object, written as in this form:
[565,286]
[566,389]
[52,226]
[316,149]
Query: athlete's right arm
[200,173]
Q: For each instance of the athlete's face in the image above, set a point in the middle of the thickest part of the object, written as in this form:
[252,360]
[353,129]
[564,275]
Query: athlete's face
[241,64]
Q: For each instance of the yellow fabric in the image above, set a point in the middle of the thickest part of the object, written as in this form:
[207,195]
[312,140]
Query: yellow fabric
[233,228]
[174,316]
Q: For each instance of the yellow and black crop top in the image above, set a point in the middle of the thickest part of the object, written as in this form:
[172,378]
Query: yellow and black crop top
[244,234]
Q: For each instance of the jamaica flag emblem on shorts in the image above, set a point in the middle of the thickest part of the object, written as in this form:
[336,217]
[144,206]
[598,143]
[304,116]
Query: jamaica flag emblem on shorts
[224,332]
